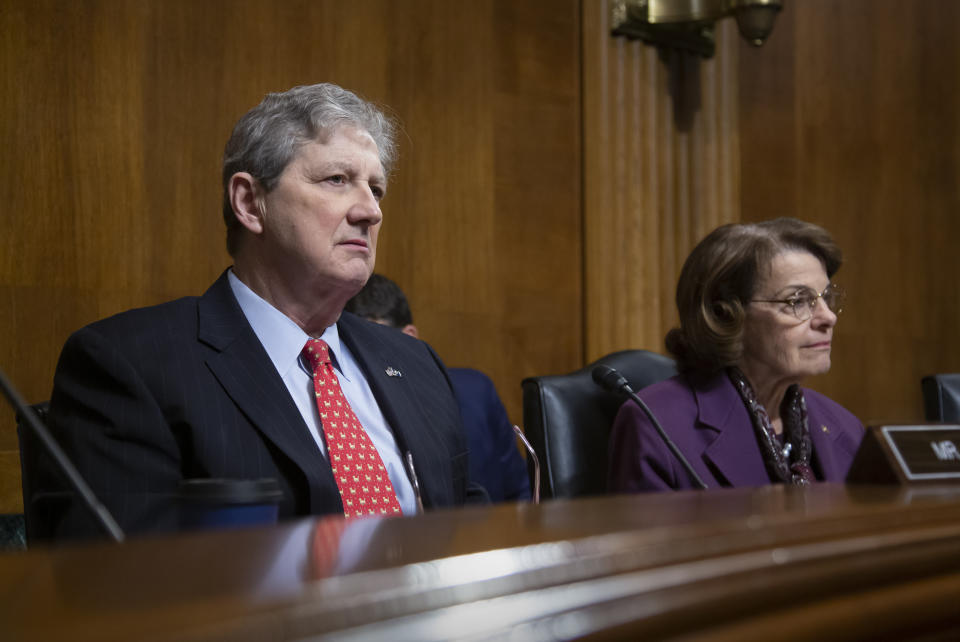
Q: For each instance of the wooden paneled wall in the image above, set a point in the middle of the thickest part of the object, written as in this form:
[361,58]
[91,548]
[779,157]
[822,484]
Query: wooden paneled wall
[850,118]
[487,245]
[114,114]
[551,178]
[847,117]
[661,169]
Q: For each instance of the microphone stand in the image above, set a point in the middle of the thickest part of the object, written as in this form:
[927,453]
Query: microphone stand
[103,517]
[535,497]
[613,381]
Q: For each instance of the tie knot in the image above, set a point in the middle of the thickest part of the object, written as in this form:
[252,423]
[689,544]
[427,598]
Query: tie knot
[317,352]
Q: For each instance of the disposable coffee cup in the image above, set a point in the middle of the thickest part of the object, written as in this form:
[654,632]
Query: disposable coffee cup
[228,503]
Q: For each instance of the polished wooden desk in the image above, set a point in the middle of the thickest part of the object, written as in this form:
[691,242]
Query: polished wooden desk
[829,562]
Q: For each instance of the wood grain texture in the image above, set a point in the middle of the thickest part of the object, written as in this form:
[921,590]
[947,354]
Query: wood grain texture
[551,179]
[849,120]
[661,169]
[113,115]
[773,563]
[488,248]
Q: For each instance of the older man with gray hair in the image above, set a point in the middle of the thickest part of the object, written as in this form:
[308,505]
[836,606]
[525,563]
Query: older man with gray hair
[264,376]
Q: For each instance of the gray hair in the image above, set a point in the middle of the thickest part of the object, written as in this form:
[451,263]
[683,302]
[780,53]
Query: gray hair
[267,137]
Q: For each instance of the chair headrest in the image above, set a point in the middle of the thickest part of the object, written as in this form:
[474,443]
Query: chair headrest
[941,397]
[567,419]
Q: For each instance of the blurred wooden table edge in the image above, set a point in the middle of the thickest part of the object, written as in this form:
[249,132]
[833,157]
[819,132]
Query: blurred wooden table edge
[718,563]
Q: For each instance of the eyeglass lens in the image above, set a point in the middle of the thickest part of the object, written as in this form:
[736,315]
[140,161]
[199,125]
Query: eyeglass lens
[832,297]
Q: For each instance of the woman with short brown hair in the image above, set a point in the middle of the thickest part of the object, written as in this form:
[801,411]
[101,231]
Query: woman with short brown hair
[757,311]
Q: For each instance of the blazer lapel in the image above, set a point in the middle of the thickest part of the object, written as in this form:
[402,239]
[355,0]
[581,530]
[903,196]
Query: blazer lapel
[734,454]
[247,375]
[823,437]
[390,378]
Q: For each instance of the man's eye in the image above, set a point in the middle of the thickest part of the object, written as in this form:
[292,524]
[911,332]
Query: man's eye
[337,179]
[377,192]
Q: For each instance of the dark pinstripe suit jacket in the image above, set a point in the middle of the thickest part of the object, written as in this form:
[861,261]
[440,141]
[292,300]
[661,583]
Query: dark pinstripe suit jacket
[183,390]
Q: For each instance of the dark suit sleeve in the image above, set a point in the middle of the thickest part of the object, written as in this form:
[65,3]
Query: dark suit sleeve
[105,419]
[516,482]
[505,462]
[465,491]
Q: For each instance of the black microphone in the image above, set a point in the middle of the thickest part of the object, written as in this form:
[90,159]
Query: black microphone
[100,513]
[612,381]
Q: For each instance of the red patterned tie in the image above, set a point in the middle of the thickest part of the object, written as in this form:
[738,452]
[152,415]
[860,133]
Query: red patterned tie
[365,487]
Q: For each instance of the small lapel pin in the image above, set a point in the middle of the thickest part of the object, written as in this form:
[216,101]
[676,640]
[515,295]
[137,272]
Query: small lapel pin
[393,372]
[824,429]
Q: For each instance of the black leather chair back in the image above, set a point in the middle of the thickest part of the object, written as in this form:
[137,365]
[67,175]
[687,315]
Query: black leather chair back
[30,451]
[941,398]
[567,419]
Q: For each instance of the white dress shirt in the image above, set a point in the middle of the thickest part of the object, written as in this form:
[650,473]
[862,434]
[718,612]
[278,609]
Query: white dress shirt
[284,341]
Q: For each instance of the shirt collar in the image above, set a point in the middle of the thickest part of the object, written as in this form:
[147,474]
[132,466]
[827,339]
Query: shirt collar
[281,337]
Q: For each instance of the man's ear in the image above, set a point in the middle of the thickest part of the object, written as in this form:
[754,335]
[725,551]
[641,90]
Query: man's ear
[411,330]
[246,199]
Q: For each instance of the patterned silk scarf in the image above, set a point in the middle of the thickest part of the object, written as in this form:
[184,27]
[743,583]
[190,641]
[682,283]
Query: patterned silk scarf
[789,463]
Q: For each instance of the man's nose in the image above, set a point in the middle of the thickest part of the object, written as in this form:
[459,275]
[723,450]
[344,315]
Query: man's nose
[366,208]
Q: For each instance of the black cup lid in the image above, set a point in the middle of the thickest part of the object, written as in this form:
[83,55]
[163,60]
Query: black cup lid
[231,491]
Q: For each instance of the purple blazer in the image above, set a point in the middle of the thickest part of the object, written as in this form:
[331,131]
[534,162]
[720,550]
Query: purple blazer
[710,425]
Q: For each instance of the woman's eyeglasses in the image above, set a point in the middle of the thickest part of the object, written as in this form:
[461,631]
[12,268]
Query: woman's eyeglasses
[802,303]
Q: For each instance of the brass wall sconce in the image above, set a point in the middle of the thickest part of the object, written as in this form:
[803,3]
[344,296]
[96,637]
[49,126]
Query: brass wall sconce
[688,24]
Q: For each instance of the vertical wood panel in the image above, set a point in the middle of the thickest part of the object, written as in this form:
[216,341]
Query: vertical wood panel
[850,121]
[661,168]
[113,117]
[503,292]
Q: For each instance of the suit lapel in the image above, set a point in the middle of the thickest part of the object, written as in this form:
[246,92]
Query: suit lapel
[392,391]
[734,454]
[247,375]
[390,378]
[823,436]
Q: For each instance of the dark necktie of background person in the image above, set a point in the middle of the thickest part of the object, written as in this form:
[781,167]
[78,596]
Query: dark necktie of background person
[365,487]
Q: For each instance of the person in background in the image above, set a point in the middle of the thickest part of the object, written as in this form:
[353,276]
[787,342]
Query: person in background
[757,309]
[495,462]
[263,376]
